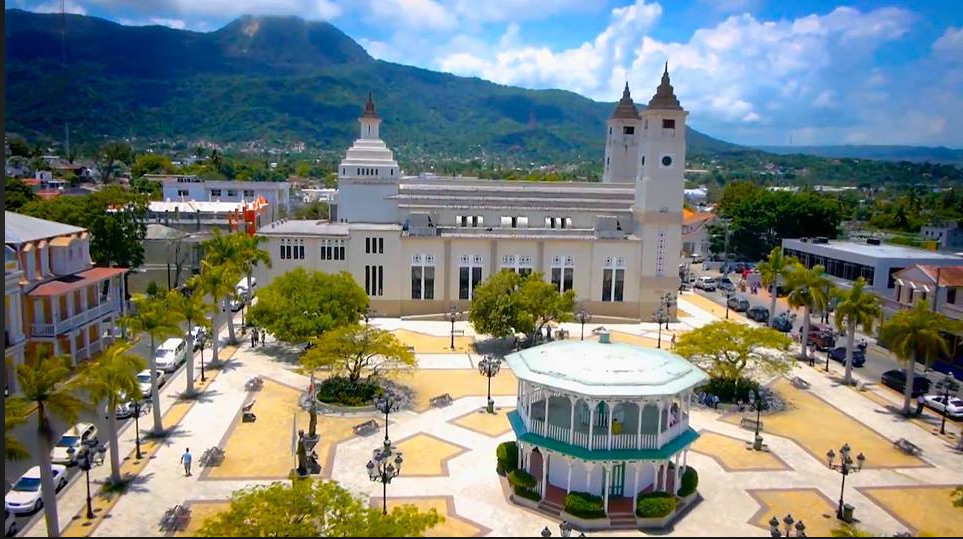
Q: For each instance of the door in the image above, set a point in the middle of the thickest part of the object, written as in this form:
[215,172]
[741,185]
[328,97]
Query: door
[617,481]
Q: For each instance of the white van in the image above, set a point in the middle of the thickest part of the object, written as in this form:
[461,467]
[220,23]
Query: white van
[243,286]
[171,354]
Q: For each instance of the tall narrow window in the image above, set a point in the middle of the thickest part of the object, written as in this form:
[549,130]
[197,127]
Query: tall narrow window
[563,272]
[607,284]
[613,279]
[469,275]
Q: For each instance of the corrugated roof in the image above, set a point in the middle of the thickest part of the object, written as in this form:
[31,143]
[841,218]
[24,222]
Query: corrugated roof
[69,283]
[18,228]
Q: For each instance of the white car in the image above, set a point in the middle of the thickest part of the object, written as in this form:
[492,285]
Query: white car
[938,403]
[74,438]
[143,378]
[170,354]
[198,333]
[24,496]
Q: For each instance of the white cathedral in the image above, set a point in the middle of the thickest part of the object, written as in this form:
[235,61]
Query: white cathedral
[419,245]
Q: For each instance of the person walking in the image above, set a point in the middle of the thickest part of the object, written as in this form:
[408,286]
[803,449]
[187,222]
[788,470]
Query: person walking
[672,342]
[263,337]
[186,460]
[253,338]
[920,403]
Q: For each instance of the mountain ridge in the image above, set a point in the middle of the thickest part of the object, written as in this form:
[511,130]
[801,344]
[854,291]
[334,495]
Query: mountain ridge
[882,152]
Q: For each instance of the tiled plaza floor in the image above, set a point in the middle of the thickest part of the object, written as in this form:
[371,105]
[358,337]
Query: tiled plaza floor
[732,454]
[480,420]
[458,383]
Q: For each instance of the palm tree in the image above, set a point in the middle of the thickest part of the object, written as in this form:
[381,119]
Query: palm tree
[223,250]
[809,289]
[856,307]
[154,317]
[217,281]
[250,255]
[46,383]
[773,270]
[914,335]
[193,310]
[111,380]
[14,415]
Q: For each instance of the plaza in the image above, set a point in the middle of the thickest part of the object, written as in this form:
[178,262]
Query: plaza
[450,451]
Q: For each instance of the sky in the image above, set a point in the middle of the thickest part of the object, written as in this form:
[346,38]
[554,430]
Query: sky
[749,71]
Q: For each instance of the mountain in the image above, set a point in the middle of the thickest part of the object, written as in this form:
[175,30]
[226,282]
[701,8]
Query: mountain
[275,80]
[916,154]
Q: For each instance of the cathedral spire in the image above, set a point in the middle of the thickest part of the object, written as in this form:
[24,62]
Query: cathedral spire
[664,97]
[369,108]
[625,109]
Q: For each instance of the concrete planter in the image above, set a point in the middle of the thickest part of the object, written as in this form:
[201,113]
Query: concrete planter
[655,523]
[326,408]
[586,524]
[687,500]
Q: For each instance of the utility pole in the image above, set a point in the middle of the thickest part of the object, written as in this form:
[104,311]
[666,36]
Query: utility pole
[936,293]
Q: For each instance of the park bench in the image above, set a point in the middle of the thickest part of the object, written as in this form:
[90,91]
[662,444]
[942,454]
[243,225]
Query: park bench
[750,423]
[458,332]
[368,427]
[247,415]
[800,383]
[175,518]
[441,400]
[907,446]
[212,456]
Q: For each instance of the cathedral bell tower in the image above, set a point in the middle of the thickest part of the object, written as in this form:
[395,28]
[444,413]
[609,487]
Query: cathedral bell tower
[370,121]
[622,142]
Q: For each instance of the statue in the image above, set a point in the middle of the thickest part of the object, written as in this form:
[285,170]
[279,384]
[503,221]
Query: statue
[302,455]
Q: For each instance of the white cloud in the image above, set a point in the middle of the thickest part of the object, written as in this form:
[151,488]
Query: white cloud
[825,99]
[950,43]
[413,14]
[54,7]
[518,10]
[158,21]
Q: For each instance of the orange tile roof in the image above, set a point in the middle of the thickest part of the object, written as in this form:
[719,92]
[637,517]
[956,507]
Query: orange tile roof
[949,275]
[691,217]
[69,283]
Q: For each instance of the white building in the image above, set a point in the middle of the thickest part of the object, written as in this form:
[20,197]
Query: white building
[420,244]
[946,235]
[181,188]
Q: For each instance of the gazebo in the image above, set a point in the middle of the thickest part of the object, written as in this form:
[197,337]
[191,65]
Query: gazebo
[604,418]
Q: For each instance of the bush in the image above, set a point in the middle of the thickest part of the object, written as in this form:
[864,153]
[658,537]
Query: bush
[528,493]
[341,390]
[689,483]
[731,390]
[584,505]
[507,455]
[655,505]
[521,478]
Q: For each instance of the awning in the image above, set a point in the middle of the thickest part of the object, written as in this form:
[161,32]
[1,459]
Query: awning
[69,283]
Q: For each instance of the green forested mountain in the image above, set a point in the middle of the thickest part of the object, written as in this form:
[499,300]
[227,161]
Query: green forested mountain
[277,80]
[916,154]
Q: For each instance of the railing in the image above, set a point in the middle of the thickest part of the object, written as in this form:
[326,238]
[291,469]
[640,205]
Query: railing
[624,441]
[558,432]
[92,313]
[580,439]
[649,441]
[600,441]
[538,427]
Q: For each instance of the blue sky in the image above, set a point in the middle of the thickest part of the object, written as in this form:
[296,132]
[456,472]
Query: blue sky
[749,71]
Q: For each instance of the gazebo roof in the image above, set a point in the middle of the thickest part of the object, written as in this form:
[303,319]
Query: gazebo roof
[605,369]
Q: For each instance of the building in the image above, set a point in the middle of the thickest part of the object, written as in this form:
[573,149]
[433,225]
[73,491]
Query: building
[947,235]
[56,302]
[942,288]
[695,232]
[420,244]
[873,260]
[608,419]
[184,188]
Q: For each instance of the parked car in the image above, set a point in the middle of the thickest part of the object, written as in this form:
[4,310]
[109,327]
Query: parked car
[938,403]
[896,379]
[243,285]
[738,304]
[143,378]
[74,438]
[125,410]
[839,354]
[24,496]
[822,336]
[198,332]
[170,354]
[759,314]
[706,283]
[698,259]
[236,305]
[783,322]
[725,285]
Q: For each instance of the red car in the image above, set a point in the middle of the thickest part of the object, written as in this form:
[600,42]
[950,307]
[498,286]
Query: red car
[822,336]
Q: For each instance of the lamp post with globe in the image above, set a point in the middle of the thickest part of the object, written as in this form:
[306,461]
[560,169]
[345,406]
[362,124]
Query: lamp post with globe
[381,469]
[583,317]
[489,367]
[86,460]
[845,467]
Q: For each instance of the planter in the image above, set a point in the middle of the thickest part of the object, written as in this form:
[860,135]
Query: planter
[326,408]
[655,523]
[687,500]
[586,524]
[524,502]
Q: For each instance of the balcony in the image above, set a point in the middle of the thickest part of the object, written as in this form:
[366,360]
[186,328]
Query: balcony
[107,306]
[600,441]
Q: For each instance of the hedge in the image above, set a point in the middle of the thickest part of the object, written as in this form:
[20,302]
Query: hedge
[655,504]
[528,493]
[584,505]
[521,478]
[689,483]
[507,455]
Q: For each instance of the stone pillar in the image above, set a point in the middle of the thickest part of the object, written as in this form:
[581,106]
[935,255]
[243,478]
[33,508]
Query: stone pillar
[85,332]
[571,426]
[72,341]
[610,409]
[664,472]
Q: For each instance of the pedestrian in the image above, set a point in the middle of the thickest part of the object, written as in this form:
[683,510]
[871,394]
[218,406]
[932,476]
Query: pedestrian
[256,337]
[186,459]
[263,337]
[672,342]
[253,338]
[920,402]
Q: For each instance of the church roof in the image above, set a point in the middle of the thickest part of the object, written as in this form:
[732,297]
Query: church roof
[664,97]
[369,109]
[625,109]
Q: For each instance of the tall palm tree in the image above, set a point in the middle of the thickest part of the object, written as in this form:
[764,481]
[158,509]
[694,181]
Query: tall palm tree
[809,289]
[110,381]
[193,310]
[153,317]
[46,383]
[224,250]
[14,415]
[773,270]
[856,307]
[251,255]
[217,281]
[916,334]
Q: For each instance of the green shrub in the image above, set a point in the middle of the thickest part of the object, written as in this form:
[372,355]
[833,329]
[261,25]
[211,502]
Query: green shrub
[521,478]
[731,390]
[584,505]
[341,390]
[655,504]
[507,455]
[528,493]
[689,483]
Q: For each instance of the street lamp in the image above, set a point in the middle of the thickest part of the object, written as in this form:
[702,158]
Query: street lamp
[203,342]
[489,367]
[583,317]
[452,316]
[382,470]
[85,462]
[728,295]
[386,404]
[667,300]
[949,385]
[368,314]
[660,316]
[845,467]
[136,408]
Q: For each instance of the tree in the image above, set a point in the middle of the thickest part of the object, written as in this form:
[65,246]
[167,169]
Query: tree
[301,305]
[809,289]
[16,194]
[317,210]
[225,250]
[111,380]
[217,281]
[356,349]
[850,530]
[725,349]
[193,310]
[14,415]
[313,508]
[109,156]
[773,271]
[916,335]
[250,255]
[46,384]
[541,303]
[857,307]
[18,146]
[154,317]
[508,303]
[151,163]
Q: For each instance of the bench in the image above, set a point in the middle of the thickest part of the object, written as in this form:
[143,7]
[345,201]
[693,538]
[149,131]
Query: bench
[441,400]
[247,416]
[212,456]
[175,518]
[800,383]
[368,427]
[458,332]
[907,446]
[253,384]
[750,423]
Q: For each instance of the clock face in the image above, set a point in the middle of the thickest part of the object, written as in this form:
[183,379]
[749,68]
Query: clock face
[666,161]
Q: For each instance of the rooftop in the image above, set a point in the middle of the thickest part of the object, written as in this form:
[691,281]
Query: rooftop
[18,228]
[885,250]
[605,369]
[194,206]
[310,227]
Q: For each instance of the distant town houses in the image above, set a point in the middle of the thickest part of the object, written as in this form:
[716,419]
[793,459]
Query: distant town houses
[184,188]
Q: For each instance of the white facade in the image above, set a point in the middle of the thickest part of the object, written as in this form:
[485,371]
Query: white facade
[178,188]
[617,243]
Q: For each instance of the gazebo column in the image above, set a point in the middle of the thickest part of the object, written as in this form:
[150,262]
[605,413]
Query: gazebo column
[571,428]
[658,423]
[664,472]
[605,488]
[591,445]
[635,495]
[610,408]
[685,458]
[548,397]
[641,407]
[545,457]
[568,483]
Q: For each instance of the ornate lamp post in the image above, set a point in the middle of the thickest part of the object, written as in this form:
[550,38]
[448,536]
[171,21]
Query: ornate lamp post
[950,386]
[386,404]
[728,295]
[452,316]
[203,342]
[489,367]
[583,316]
[85,461]
[845,467]
[660,316]
[137,410]
[667,300]
[382,470]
